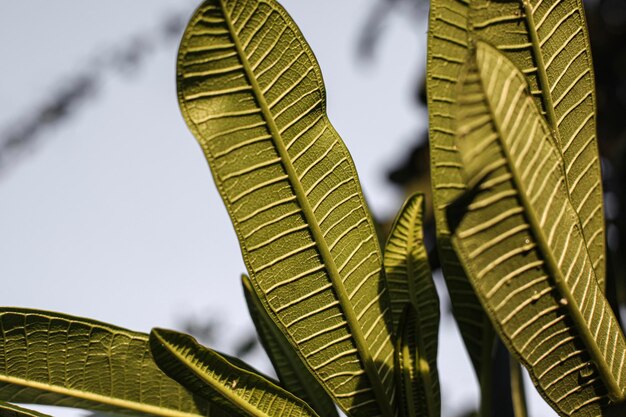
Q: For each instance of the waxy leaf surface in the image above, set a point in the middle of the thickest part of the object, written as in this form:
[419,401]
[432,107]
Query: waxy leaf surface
[292,372]
[251,91]
[521,244]
[215,378]
[54,359]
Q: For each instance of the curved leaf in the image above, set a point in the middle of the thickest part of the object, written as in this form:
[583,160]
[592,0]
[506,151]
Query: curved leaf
[548,42]
[251,91]
[54,359]
[418,390]
[522,247]
[447,54]
[293,374]
[410,281]
[213,377]
[12,410]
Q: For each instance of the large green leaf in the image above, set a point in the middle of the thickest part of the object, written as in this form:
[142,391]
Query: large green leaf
[12,410]
[419,392]
[409,280]
[251,91]
[547,40]
[521,245]
[54,359]
[447,54]
[213,377]
[292,372]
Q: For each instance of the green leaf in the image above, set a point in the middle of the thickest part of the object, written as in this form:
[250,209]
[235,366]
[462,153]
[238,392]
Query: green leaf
[54,359]
[447,55]
[12,410]
[522,247]
[292,372]
[418,382]
[548,42]
[251,91]
[213,377]
[409,280]
[407,270]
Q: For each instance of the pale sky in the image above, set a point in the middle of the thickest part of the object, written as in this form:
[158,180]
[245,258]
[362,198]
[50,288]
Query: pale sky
[113,215]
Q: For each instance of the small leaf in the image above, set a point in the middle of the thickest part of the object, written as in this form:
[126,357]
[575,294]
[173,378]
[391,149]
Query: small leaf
[418,384]
[251,91]
[521,245]
[55,359]
[12,410]
[214,378]
[409,280]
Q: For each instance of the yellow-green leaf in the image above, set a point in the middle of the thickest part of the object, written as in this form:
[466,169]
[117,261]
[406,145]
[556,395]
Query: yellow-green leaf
[418,383]
[548,42]
[521,245]
[251,91]
[12,410]
[210,375]
[292,372]
[448,49]
[409,280]
[407,270]
[54,359]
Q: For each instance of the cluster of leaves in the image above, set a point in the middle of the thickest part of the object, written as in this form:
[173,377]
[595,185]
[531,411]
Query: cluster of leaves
[517,195]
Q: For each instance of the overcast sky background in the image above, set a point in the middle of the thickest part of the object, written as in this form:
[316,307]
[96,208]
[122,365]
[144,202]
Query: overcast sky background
[113,214]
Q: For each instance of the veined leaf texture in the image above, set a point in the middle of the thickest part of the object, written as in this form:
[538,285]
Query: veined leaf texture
[251,91]
[292,372]
[54,359]
[410,282]
[522,246]
[211,376]
[548,41]
[448,50]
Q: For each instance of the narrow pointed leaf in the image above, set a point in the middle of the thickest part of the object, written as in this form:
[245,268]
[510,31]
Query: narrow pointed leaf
[409,280]
[54,359]
[447,54]
[212,376]
[419,392]
[548,42]
[12,410]
[251,91]
[292,372]
[407,271]
[522,247]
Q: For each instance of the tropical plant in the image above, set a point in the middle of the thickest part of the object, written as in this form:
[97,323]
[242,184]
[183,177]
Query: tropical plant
[518,204]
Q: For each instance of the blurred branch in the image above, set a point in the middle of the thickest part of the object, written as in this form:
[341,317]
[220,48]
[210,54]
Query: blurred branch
[23,135]
[376,22]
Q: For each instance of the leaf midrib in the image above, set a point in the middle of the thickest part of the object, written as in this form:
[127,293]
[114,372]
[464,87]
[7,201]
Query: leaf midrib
[318,237]
[546,97]
[421,345]
[548,103]
[97,398]
[210,380]
[544,248]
